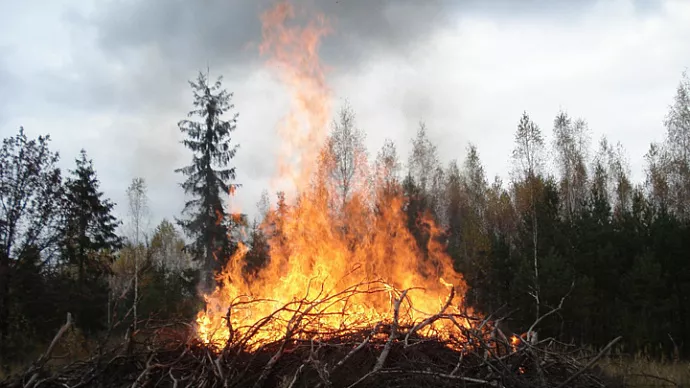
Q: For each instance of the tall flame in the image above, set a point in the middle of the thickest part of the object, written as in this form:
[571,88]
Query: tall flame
[293,51]
[343,266]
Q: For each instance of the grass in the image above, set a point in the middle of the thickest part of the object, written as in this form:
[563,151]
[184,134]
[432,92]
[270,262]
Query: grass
[639,371]
[73,346]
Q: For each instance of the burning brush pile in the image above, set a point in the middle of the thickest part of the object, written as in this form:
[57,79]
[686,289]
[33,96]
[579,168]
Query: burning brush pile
[348,298]
[445,349]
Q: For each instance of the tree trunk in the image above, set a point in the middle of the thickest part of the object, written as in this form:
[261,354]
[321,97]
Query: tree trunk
[4,308]
[535,240]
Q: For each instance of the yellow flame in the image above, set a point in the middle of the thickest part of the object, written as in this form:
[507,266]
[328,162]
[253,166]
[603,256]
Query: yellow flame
[334,268]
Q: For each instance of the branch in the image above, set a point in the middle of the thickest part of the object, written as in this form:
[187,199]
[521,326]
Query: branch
[387,348]
[394,333]
[46,356]
[441,375]
[356,349]
[560,305]
[432,318]
[589,364]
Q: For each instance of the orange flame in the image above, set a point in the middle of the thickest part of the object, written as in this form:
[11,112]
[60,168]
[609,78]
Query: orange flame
[514,342]
[293,51]
[338,267]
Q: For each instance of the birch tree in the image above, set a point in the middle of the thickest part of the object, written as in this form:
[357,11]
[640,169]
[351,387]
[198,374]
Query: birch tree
[677,124]
[528,158]
[349,156]
[571,141]
[138,219]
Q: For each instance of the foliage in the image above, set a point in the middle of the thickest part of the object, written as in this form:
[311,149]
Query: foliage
[30,193]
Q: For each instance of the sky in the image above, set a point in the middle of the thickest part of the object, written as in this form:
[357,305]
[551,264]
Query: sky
[111,76]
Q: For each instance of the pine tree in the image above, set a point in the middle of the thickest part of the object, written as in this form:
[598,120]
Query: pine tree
[208,177]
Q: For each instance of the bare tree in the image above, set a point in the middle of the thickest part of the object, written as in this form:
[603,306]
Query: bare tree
[677,123]
[613,175]
[571,144]
[138,216]
[387,169]
[427,173]
[423,160]
[167,250]
[349,155]
[528,157]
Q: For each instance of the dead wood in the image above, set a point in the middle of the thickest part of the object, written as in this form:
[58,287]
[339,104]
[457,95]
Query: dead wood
[394,353]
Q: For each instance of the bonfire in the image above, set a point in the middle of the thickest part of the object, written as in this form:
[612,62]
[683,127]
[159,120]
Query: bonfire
[348,298]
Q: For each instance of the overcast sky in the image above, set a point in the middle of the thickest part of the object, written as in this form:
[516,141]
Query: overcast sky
[111,77]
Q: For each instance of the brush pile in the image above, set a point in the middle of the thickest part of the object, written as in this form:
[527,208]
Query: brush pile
[390,354]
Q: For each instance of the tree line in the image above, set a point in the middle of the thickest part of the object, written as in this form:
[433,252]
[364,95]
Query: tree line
[568,225]
[569,228]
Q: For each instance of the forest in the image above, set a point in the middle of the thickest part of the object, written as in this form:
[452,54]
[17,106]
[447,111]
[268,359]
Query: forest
[569,228]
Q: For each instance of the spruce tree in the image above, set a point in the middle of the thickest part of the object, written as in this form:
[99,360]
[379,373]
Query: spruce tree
[90,226]
[208,176]
[88,241]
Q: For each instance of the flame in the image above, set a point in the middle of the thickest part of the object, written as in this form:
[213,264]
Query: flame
[293,51]
[514,342]
[332,267]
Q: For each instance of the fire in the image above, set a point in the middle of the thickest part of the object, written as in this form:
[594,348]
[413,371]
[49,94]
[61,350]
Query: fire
[514,342]
[333,266]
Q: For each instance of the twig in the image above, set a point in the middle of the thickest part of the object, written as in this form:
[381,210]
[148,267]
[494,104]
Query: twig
[175,381]
[291,326]
[592,362]
[296,376]
[146,371]
[457,366]
[553,311]
[432,318]
[387,348]
[439,375]
[356,349]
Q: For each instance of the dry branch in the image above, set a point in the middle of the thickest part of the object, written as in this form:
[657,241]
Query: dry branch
[309,354]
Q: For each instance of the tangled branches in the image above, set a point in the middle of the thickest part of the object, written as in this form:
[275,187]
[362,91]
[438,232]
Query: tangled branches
[392,353]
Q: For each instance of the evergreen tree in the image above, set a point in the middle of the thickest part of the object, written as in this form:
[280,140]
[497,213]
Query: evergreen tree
[88,240]
[209,177]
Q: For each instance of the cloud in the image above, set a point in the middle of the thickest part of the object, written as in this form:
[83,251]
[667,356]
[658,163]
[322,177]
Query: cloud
[226,32]
[8,84]
[112,77]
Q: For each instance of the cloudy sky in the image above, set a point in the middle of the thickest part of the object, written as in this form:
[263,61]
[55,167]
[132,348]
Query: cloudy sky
[111,76]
